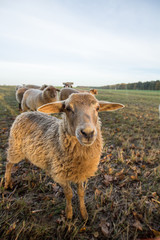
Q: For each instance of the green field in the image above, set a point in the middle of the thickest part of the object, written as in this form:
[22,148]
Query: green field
[123,199]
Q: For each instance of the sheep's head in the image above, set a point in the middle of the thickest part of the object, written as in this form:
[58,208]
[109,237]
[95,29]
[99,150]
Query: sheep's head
[43,87]
[93,91]
[81,111]
[50,92]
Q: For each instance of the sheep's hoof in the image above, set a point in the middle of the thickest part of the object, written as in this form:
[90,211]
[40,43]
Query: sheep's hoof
[84,214]
[8,185]
[69,213]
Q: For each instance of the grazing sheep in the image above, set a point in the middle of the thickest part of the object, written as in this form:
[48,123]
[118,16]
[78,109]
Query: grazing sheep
[65,92]
[19,95]
[34,98]
[31,86]
[68,149]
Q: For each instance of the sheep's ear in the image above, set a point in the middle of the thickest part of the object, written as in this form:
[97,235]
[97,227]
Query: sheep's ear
[109,106]
[58,90]
[54,107]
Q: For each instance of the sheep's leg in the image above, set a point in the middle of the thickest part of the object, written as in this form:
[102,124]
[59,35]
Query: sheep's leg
[68,194]
[20,107]
[8,182]
[81,201]
[24,107]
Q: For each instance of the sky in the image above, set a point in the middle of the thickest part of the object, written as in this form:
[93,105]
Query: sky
[88,42]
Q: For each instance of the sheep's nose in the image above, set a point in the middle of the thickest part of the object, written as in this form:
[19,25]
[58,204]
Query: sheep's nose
[87,132]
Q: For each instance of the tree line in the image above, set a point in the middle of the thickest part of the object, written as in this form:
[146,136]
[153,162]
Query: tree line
[151,85]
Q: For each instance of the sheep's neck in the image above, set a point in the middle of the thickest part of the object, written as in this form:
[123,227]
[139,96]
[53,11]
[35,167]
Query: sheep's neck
[71,145]
[44,97]
[79,162]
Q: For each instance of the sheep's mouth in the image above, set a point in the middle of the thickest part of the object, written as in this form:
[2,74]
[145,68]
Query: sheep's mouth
[85,142]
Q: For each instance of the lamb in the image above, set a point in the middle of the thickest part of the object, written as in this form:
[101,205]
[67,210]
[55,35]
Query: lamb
[68,149]
[34,98]
[65,92]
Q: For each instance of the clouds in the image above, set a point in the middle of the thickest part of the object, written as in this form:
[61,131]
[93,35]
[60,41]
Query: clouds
[49,40]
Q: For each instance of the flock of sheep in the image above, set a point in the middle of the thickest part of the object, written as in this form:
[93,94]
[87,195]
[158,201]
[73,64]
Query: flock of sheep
[68,149]
[30,97]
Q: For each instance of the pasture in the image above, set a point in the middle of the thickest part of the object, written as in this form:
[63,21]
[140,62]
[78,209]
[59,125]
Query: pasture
[122,199]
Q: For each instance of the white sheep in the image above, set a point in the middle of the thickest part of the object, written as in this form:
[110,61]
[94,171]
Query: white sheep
[66,92]
[34,98]
[68,149]
[20,90]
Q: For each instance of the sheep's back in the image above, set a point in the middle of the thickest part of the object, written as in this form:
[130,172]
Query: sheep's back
[32,135]
[19,94]
[33,98]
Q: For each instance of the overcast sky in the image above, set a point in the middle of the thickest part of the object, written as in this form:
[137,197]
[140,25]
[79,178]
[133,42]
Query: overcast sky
[89,42]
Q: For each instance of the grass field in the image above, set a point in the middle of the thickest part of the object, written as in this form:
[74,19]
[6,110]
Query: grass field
[123,199]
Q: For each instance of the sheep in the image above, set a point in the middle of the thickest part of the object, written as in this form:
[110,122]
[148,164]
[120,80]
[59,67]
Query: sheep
[19,95]
[31,86]
[34,98]
[18,86]
[43,87]
[68,149]
[21,90]
[65,92]
[93,91]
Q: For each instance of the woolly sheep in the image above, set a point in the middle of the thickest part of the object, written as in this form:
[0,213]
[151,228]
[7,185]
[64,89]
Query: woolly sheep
[68,149]
[34,98]
[19,95]
[36,86]
[66,92]
[21,90]
[31,86]
[27,86]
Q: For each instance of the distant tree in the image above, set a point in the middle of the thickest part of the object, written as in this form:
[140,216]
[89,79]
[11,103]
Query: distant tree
[122,86]
[152,85]
[157,85]
[139,86]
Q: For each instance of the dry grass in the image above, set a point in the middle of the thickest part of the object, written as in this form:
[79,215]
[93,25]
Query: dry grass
[123,199]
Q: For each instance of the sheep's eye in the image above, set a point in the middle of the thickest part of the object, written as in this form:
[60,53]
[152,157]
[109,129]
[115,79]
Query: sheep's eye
[97,109]
[69,109]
